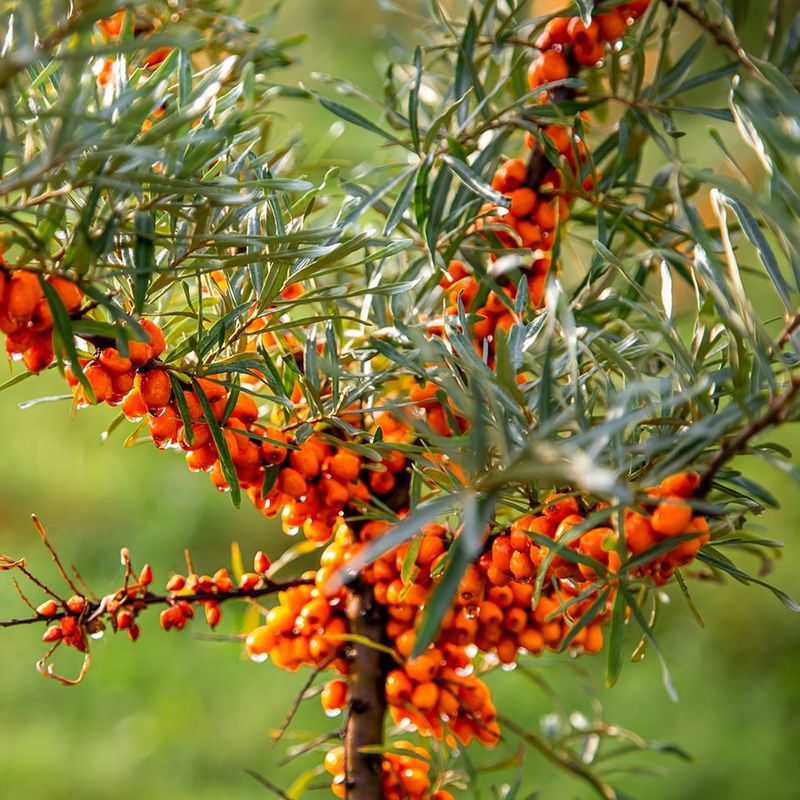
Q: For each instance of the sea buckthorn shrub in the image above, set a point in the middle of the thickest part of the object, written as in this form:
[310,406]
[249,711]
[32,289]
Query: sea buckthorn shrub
[458,376]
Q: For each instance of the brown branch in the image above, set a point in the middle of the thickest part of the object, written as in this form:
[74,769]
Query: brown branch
[566,762]
[56,560]
[539,163]
[775,413]
[301,695]
[154,599]
[367,701]
[791,326]
[714,29]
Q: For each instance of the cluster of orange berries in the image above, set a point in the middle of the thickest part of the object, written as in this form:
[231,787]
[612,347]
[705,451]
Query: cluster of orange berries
[25,315]
[306,627]
[436,692]
[315,481]
[405,774]
[518,557]
[310,483]
[112,27]
[209,587]
[116,379]
[67,629]
[121,609]
[539,198]
[567,39]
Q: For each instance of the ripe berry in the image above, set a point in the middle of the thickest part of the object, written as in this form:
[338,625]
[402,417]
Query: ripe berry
[47,609]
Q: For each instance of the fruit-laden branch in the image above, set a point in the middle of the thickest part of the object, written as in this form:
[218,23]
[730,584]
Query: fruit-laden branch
[97,607]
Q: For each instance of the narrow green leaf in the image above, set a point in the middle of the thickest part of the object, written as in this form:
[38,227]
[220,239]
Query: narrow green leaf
[62,325]
[217,434]
[183,407]
[355,118]
[144,259]
[616,640]
[474,181]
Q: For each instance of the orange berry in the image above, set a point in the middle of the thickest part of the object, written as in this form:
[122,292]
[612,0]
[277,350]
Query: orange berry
[305,461]
[273,453]
[552,66]
[22,294]
[580,34]
[521,566]
[113,361]
[291,482]
[558,30]
[612,26]
[155,388]
[201,459]
[113,25]
[100,381]
[260,641]
[334,697]
[133,406]
[589,54]
[158,55]
[523,202]
[163,427]
[560,136]
[671,519]
[683,484]
[155,336]
[70,295]
[639,535]
[334,761]
[424,667]
[559,507]
[545,216]
[382,482]
[261,562]
[52,634]
[47,609]
[39,355]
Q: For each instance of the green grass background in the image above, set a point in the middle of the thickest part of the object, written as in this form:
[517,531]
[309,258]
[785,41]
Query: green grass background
[177,717]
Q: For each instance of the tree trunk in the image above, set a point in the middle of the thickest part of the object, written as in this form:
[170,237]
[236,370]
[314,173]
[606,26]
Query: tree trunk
[367,705]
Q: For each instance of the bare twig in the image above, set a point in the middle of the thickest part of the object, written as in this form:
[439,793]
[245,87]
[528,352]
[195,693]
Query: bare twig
[25,600]
[567,763]
[267,783]
[300,696]
[56,560]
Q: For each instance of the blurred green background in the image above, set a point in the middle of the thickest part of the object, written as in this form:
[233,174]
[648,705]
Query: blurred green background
[178,717]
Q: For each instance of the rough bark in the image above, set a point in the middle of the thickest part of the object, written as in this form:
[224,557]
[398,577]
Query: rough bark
[367,703]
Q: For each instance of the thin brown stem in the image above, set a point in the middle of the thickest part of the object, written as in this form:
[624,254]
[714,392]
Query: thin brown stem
[775,413]
[163,599]
[714,29]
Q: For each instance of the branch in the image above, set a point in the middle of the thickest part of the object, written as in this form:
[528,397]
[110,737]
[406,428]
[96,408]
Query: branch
[164,599]
[367,703]
[714,29]
[776,412]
